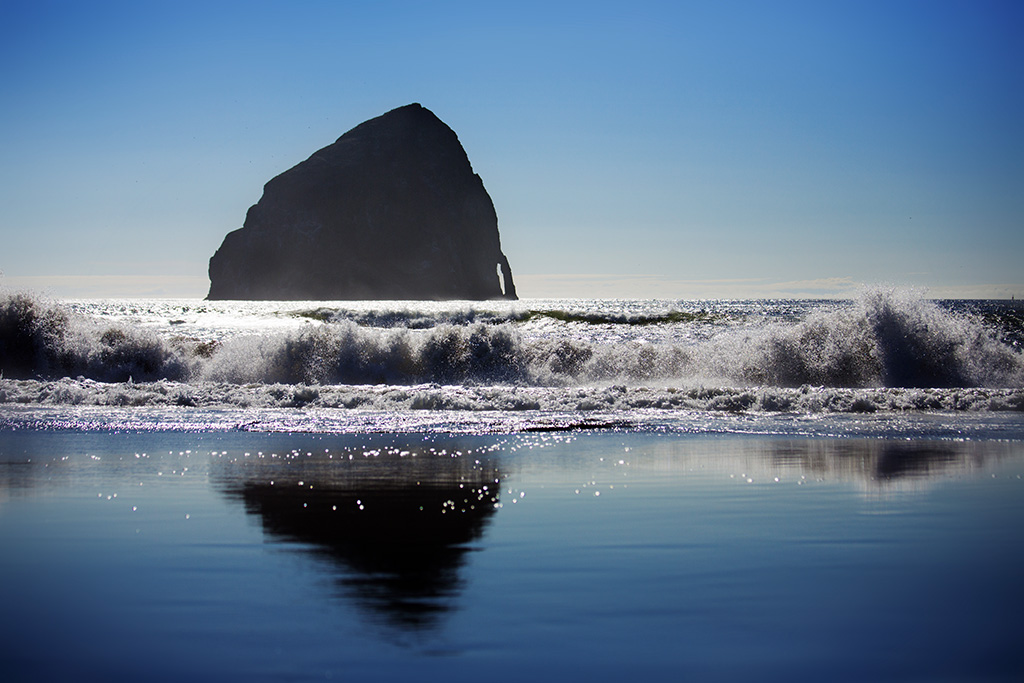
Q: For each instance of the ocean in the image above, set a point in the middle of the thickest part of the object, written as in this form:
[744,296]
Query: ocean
[548,489]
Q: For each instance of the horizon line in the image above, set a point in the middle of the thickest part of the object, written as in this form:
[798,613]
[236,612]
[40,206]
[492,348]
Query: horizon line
[532,286]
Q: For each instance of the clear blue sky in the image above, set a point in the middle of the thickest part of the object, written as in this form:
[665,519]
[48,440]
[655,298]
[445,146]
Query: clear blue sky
[677,149]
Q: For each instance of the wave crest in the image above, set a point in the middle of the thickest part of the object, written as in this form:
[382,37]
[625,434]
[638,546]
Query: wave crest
[345,353]
[44,340]
[885,338]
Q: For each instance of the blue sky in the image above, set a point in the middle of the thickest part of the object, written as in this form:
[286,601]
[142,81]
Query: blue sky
[680,150]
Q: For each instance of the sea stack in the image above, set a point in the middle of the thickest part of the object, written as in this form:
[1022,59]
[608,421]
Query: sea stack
[391,210]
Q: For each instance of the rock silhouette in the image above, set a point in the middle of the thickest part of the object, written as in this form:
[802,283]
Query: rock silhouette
[391,210]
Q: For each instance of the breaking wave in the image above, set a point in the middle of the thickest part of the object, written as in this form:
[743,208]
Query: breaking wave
[884,339]
[46,340]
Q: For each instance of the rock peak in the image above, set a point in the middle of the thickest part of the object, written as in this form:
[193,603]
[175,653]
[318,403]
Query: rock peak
[391,210]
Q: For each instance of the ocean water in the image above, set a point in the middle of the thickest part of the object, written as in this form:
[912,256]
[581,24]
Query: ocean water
[542,489]
[512,365]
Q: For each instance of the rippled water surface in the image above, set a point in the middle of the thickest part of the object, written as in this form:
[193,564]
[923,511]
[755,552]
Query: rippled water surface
[550,555]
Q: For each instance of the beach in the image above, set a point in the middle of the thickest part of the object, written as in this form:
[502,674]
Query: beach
[544,490]
[491,342]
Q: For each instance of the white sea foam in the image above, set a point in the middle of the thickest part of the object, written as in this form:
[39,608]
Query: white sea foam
[804,400]
[887,351]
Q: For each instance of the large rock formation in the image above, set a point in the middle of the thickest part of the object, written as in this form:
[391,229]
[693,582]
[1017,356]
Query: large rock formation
[392,210]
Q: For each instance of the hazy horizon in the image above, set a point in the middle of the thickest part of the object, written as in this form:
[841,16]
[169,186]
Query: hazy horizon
[662,150]
[627,287]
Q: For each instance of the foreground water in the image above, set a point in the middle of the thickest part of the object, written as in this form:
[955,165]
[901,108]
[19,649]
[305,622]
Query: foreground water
[548,489]
[597,555]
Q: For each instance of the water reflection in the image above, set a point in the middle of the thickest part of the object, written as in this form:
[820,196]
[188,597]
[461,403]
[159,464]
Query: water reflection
[396,526]
[880,462]
[877,466]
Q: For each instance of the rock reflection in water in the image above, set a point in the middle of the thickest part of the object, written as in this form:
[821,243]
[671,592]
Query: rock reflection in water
[398,527]
[881,462]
